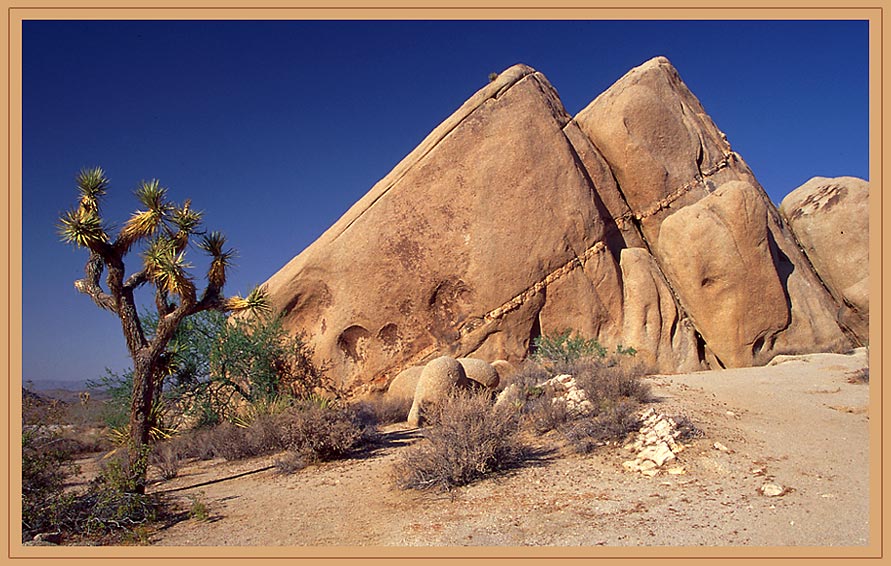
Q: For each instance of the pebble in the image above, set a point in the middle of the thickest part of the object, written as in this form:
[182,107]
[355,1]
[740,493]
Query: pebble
[772,490]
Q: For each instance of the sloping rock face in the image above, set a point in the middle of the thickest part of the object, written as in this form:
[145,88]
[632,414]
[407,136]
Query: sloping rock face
[668,155]
[464,246]
[633,223]
[830,220]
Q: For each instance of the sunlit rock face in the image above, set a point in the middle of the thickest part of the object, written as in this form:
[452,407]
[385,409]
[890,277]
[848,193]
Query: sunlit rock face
[830,220]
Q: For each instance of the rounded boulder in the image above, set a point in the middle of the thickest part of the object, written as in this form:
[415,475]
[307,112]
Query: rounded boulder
[437,380]
[404,384]
[480,371]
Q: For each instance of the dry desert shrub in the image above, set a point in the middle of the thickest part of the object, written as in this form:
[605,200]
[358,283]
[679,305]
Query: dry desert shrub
[608,384]
[612,423]
[388,410]
[167,458]
[307,432]
[320,433]
[528,376]
[467,440]
[541,413]
[859,376]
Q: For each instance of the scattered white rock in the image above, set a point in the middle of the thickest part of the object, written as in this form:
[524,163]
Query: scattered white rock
[721,447]
[656,444]
[567,391]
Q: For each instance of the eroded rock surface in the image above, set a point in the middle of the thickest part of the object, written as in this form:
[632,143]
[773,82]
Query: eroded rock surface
[462,247]
[717,253]
[662,335]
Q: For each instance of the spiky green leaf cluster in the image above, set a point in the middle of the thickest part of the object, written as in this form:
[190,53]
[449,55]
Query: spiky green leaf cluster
[82,227]
[185,219]
[257,301]
[214,244]
[92,184]
[145,223]
[167,267]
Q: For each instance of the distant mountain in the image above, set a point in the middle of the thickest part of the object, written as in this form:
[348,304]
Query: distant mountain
[49,384]
[67,391]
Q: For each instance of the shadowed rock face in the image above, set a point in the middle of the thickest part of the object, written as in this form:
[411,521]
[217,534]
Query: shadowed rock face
[509,220]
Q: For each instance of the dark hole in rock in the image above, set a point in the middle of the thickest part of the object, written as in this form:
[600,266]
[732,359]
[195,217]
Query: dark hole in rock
[352,342]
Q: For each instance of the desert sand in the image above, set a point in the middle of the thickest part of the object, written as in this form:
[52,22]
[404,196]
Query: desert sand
[801,424]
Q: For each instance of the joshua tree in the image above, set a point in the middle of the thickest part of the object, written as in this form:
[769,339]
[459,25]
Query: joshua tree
[164,228]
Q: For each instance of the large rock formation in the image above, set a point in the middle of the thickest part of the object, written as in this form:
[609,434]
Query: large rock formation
[632,223]
[830,220]
[487,234]
[716,252]
[667,155]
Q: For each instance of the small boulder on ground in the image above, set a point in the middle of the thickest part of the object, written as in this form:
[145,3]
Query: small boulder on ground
[480,371]
[505,370]
[437,380]
[404,384]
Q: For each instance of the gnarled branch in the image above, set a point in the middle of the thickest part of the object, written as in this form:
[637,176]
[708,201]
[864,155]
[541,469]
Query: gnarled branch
[89,285]
[137,280]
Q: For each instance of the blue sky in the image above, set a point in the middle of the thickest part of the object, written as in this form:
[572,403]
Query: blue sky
[274,129]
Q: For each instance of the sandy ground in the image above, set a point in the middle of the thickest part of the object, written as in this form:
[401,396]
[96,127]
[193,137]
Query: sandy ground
[800,424]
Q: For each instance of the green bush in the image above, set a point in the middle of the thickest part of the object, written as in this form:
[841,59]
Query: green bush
[468,439]
[564,348]
[214,362]
[115,411]
[197,508]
